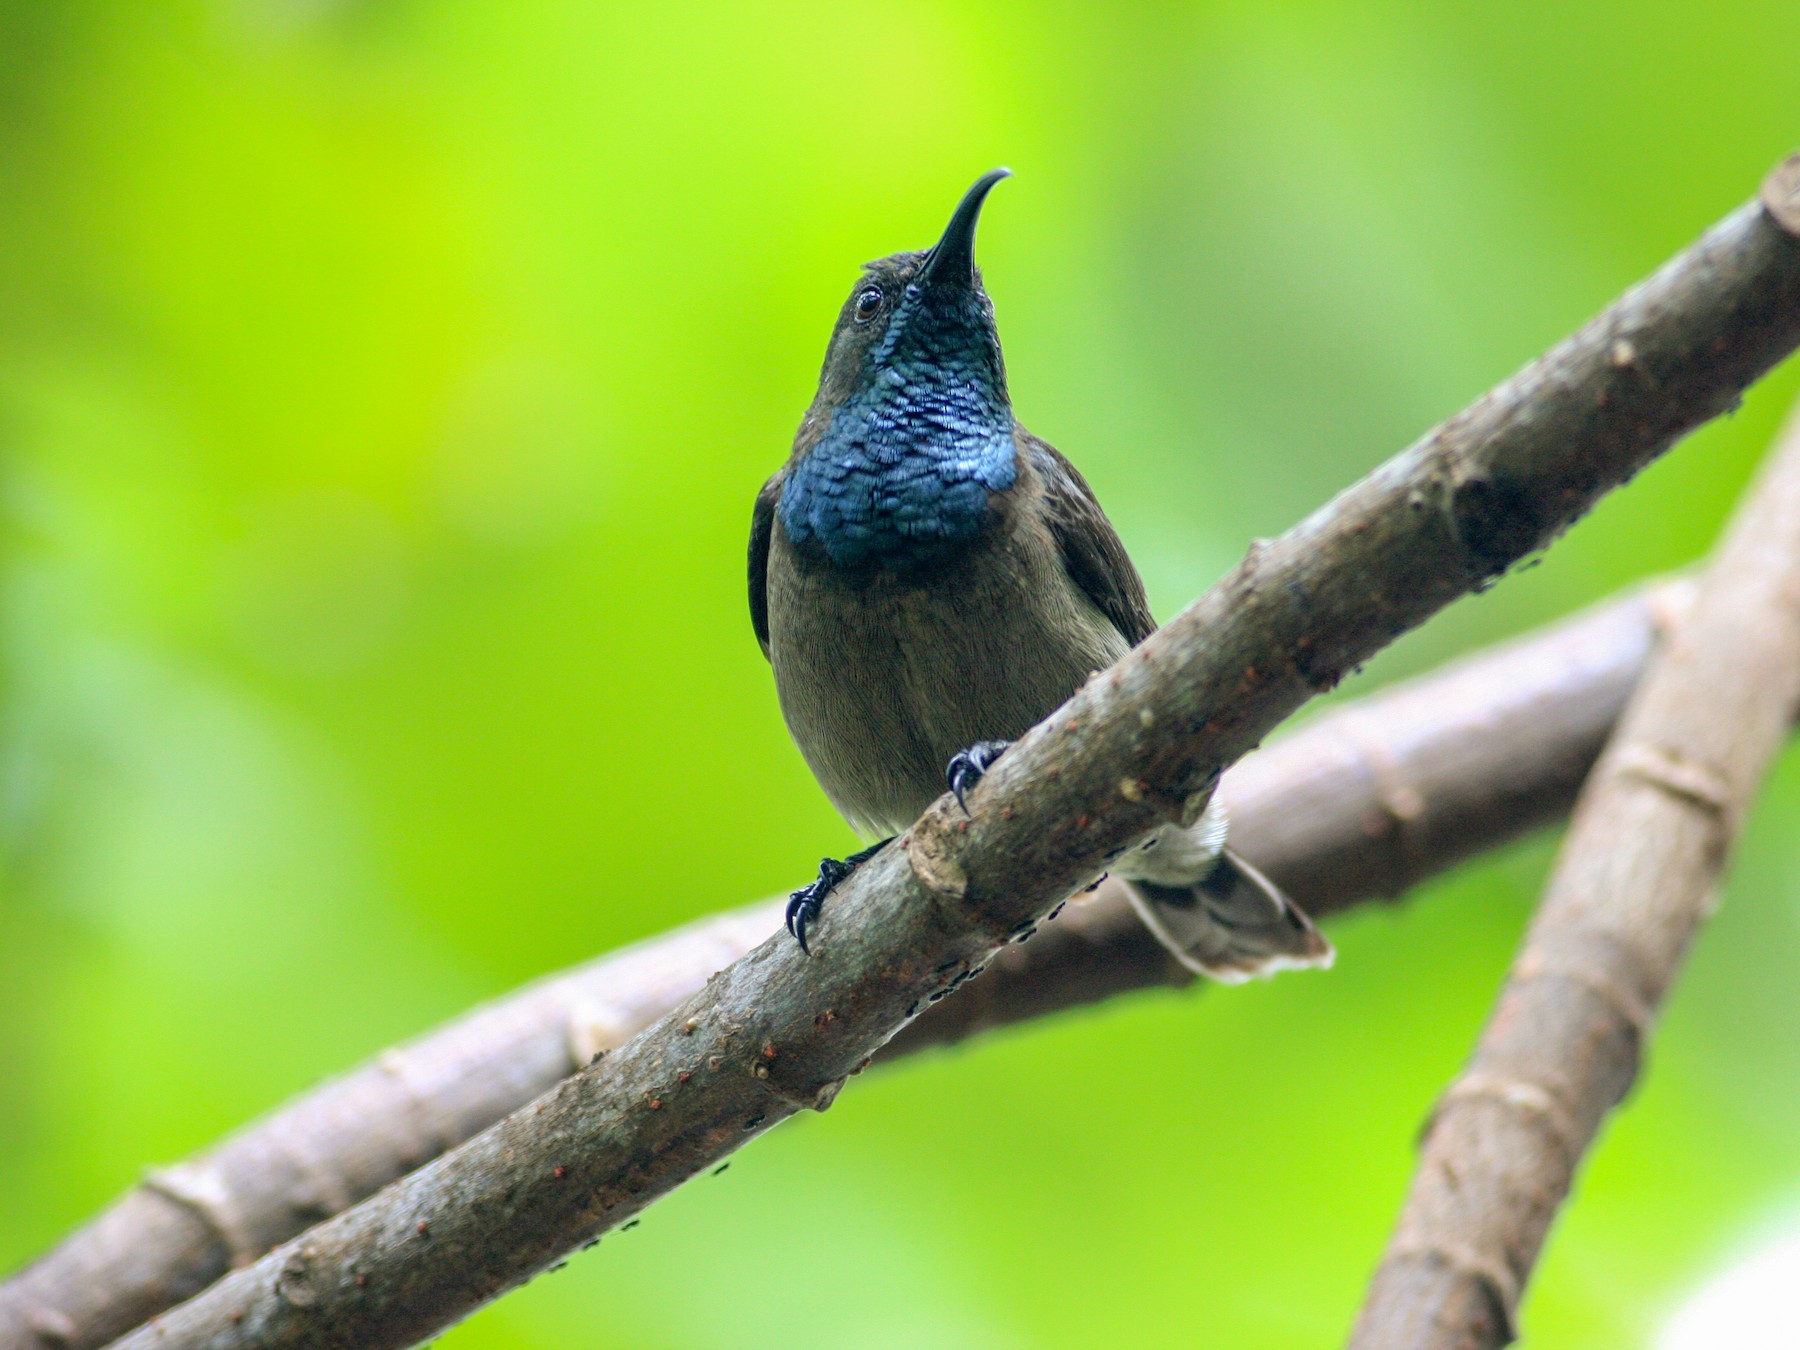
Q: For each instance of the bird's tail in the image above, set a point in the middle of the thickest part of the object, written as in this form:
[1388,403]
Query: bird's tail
[1231,924]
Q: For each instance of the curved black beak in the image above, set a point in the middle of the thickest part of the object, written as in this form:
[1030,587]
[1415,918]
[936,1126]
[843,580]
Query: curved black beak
[952,262]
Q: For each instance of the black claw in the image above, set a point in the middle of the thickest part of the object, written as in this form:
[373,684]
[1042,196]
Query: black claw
[966,767]
[804,904]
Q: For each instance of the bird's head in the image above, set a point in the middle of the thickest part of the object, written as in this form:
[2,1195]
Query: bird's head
[919,318]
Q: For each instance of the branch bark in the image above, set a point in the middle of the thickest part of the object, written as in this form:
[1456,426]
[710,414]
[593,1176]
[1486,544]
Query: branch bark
[1361,803]
[1639,871]
[1143,743]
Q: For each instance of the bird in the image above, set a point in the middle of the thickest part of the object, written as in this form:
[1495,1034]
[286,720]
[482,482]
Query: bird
[928,580]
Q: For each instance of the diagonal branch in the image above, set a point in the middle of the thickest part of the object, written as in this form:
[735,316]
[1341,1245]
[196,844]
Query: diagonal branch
[1361,803]
[1140,744]
[1639,871]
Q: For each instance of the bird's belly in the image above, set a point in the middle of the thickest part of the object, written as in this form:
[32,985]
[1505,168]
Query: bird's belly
[882,679]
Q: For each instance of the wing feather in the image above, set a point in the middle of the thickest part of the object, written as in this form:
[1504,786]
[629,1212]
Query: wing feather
[762,530]
[1091,551]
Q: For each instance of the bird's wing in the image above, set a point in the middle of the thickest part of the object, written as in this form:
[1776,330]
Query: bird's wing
[762,527]
[1091,551]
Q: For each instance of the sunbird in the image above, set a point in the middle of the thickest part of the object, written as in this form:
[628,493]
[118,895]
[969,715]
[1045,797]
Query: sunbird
[928,580]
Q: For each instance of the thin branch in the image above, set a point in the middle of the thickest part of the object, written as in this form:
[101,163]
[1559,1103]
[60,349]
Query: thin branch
[1361,803]
[1639,871]
[1143,743]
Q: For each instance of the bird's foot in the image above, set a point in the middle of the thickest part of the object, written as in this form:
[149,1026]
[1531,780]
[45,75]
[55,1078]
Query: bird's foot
[967,767]
[804,904]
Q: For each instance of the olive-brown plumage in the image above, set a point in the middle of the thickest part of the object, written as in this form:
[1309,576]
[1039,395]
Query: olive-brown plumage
[929,580]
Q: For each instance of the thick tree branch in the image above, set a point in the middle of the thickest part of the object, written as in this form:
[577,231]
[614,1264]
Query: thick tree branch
[1639,871]
[1361,803]
[1143,743]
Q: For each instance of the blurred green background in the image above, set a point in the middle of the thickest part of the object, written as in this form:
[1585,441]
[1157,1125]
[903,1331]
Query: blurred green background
[383,390]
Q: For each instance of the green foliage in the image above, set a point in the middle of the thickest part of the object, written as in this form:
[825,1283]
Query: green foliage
[383,390]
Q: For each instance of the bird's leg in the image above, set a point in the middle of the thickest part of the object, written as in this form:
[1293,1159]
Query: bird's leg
[804,904]
[967,766]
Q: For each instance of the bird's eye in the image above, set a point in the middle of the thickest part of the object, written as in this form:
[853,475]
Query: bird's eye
[867,304]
